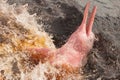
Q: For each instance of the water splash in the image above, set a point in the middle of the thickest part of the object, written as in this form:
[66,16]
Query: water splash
[18,31]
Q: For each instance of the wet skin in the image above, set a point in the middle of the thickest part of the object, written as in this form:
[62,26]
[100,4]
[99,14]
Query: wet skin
[75,50]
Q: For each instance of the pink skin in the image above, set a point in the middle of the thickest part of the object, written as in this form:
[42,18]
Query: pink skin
[75,50]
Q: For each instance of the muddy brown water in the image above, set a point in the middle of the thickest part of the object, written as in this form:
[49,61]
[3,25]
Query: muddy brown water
[61,18]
